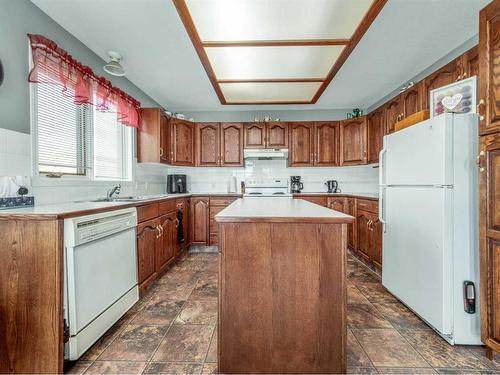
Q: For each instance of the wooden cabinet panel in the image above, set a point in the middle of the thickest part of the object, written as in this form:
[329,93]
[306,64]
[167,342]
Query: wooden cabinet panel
[153,138]
[317,199]
[255,135]
[350,209]
[326,143]
[147,212]
[167,244]
[182,143]
[468,64]
[353,141]
[392,114]
[489,230]
[147,242]
[208,144]
[375,252]
[199,220]
[411,100]
[442,77]
[367,205]
[363,232]
[301,144]
[489,80]
[337,204]
[231,144]
[375,136]
[276,135]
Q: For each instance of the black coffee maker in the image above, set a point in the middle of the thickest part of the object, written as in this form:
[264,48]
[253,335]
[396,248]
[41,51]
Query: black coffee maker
[295,185]
[176,184]
[333,186]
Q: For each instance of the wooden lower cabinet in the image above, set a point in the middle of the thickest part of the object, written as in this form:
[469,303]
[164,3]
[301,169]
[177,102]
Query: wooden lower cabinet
[199,220]
[337,204]
[167,241]
[350,209]
[147,243]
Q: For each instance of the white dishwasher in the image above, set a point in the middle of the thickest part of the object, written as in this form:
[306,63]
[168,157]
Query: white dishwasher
[100,275]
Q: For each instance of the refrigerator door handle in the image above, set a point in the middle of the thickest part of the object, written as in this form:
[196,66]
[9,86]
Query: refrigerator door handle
[381,174]
[381,215]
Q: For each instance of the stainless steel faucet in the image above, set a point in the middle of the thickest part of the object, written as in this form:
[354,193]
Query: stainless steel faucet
[112,191]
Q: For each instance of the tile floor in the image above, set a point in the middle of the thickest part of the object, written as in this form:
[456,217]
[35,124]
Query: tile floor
[171,330]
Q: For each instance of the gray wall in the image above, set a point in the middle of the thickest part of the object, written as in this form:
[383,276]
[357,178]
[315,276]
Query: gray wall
[438,64]
[17,18]
[293,115]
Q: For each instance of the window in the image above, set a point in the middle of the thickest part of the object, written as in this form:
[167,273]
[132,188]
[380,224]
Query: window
[61,133]
[78,139]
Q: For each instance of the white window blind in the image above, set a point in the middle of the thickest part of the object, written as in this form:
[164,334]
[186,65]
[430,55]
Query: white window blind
[62,129]
[112,147]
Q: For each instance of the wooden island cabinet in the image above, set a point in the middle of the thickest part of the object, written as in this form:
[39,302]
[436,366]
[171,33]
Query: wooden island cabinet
[266,323]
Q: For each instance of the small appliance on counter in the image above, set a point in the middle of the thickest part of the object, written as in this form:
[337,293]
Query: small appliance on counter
[295,185]
[266,187]
[176,184]
[333,186]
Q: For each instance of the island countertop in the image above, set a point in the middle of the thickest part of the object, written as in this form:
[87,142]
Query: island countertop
[280,210]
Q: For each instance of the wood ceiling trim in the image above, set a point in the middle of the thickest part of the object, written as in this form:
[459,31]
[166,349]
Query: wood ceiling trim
[349,44]
[188,22]
[277,43]
[366,22]
[271,80]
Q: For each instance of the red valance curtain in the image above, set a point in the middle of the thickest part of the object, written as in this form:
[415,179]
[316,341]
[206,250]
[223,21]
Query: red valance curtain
[53,65]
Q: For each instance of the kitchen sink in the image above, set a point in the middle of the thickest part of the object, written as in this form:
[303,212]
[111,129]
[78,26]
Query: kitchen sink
[124,199]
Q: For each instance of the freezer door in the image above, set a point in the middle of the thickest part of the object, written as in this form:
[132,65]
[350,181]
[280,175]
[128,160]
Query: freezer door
[417,251]
[421,154]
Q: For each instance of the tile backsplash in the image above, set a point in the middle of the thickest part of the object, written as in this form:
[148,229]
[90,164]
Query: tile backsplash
[15,160]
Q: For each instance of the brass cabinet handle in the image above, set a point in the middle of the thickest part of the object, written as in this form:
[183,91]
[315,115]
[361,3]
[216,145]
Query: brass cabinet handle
[158,231]
[161,151]
[176,222]
[478,109]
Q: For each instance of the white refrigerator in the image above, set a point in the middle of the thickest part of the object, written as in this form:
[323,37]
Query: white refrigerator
[429,211]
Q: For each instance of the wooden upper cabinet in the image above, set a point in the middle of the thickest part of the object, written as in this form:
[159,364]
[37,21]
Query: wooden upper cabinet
[353,141]
[231,135]
[392,114]
[411,100]
[153,139]
[182,142]
[301,141]
[255,135]
[489,65]
[208,144]
[277,135]
[468,64]
[376,131]
[442,77]
[326,143]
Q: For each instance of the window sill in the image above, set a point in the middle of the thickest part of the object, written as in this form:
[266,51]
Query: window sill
[76,181]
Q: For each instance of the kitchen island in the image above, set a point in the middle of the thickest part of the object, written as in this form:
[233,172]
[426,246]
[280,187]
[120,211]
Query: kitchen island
[282,287]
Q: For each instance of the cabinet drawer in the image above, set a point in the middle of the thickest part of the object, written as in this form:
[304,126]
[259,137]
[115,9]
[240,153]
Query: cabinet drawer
[321,200]
[167,206]
[146,212]
[367,205]
[180,203]
[222,201]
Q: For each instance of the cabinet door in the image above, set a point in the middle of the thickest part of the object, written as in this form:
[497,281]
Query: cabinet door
[182,143]
[326,143]
[147,238]
[255,135]
[208,144]
[337,204]
[375,239]
[164,139]
[232,144]
[392,114]
[363,234]
[277,135]
[350,209]
[186,222]
[353,141]
[199,220]
[489,232]
[442,77]
[489,80]
[301,144]
[376,125]
[317,199]
[468,64]
[167,246]
[411,100]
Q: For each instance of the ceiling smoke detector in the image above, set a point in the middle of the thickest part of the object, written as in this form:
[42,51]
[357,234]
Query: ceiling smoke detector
[114,67]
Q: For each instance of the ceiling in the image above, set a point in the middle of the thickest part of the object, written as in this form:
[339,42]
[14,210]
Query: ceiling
[406,37]
[281,51]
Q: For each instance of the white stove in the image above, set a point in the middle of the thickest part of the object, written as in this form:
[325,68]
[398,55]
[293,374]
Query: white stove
[267,187]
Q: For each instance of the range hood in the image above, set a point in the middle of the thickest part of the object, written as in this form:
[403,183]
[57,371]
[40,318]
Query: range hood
[266,153]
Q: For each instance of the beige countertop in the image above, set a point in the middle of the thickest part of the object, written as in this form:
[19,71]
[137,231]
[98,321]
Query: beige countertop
[280,210]
[355,195]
